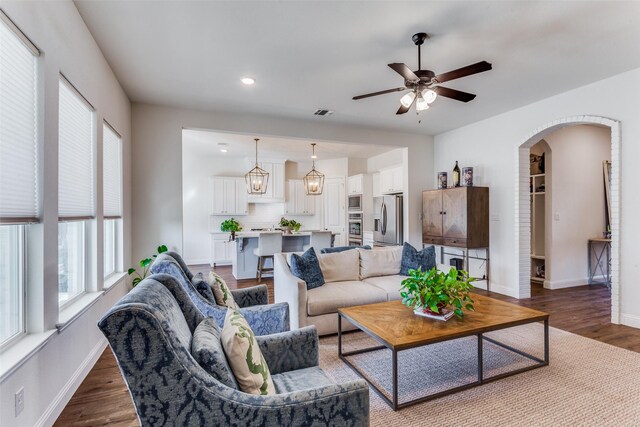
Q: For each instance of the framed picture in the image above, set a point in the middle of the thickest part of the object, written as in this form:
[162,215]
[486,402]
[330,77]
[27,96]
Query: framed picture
[467,177]
[442,180]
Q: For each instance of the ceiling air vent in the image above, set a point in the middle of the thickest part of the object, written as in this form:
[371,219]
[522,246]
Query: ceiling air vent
[322,112]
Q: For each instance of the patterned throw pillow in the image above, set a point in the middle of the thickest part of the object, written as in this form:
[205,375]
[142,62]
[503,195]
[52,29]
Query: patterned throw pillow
[307,268]
[204,289]
[414,259]
[244,355]
[221,291]
[206,348]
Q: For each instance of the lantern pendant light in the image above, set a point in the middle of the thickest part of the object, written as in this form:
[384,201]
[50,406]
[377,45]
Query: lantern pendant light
[257,178]
[314,180]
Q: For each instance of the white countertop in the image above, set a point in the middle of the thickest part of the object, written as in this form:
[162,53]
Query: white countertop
[249,234]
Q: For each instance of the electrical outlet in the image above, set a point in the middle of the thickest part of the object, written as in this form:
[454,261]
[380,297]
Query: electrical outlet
[19,401]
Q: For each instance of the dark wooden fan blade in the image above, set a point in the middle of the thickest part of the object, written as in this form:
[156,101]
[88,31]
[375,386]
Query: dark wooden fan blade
[458,95]
[478,67]
[404,109]
[382,92]
[404,71]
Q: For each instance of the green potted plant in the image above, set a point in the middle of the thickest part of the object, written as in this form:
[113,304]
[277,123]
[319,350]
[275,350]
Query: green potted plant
[436,293]
[231,226]
[144,264]
[289,224]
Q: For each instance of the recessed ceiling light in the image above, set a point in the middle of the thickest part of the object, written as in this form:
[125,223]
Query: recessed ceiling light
[223,146]
[247,80]
[223,150]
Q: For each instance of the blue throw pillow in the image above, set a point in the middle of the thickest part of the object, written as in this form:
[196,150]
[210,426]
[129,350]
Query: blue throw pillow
[412,259]
[342,249]
[203,289]
[307,268]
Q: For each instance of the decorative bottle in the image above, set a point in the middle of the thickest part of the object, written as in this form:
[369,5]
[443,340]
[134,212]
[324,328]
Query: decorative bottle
[456,175]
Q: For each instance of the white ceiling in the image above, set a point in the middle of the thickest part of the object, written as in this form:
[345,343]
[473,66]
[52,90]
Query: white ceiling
[207,143]
[311,54]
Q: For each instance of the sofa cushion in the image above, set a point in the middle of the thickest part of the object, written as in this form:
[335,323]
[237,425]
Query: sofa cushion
[339,266]
[380,261]
[244,355]
[332,296]
[307,268]
[301,379]
[342,249]
[389,284]
[412,259]
[206,348]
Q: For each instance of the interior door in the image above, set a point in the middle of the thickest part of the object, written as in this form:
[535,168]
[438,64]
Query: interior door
[454,218]
[334,215]
[432,213]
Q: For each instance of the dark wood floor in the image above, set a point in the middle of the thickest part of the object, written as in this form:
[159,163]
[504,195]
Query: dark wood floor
[103,399]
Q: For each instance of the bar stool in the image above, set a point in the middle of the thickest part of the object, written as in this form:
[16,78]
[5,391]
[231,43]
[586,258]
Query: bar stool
[269,244]
[319,240]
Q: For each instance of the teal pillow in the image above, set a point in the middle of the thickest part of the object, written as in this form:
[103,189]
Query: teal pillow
[307,268]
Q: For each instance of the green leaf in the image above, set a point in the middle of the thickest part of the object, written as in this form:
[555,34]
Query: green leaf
[136,281]
[470,307]
[162,248]
[131,271]
[145,262]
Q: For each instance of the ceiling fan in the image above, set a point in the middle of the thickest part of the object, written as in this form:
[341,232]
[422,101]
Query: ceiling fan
[424,85]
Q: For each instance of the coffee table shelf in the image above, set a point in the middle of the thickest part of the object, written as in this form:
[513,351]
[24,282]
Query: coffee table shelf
[397,328]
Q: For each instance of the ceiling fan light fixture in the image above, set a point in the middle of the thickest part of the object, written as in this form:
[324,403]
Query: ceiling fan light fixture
[407,99]
[429,95]
[421,104]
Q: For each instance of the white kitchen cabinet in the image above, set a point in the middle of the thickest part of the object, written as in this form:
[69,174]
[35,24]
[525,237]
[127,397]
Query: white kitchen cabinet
[221,249]
[391,180]
[355,184]
[375,184]
[228,196]
[298,202]
[367,238]
[275,184]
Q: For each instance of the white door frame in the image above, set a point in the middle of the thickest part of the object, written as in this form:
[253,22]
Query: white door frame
[523,209]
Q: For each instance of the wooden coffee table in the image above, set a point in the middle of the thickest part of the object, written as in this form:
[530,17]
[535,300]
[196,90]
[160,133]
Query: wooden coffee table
[397,328]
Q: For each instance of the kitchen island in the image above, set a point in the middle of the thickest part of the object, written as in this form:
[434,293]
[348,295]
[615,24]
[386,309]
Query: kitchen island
[244,262]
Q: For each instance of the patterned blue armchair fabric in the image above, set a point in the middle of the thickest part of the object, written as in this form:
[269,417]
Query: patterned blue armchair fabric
[264,319]
[255,295]
[151,340]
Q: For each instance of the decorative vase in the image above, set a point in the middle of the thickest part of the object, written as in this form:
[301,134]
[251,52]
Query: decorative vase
[286,230]
[233,236]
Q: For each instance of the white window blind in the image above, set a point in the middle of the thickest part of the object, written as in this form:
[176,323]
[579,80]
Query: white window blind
[112,173]
[75,155]
[18,126]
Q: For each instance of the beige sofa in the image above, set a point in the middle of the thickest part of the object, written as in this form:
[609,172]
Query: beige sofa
[354,277]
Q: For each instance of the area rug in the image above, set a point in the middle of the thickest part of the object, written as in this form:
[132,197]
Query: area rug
[588,383]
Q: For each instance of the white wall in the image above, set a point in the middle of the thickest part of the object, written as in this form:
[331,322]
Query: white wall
[385,160]
[157,153]
[491,145]
[51,374]
[577,200]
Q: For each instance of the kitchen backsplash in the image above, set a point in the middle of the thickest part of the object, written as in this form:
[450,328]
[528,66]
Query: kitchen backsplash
[265,215]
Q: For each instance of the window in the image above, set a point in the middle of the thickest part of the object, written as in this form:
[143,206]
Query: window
[112,192]
[76,132]
[19,186]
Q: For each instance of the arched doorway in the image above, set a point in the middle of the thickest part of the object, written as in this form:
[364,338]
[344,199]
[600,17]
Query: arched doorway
[523,211]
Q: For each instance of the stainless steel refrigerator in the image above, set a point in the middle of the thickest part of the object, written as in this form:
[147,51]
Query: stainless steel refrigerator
[387,220]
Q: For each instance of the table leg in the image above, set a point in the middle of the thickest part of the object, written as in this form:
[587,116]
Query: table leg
[480,359]
[546,340]
[395,379]
[339,335]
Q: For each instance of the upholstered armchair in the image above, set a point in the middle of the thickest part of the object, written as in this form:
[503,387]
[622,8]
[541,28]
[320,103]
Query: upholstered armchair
[263,319]
[247,297]
[151,339]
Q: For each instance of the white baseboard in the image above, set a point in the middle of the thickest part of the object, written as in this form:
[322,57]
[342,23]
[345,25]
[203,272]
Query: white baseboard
[65,394]
[630,320]
[197,261]
[504,290]
[561,284]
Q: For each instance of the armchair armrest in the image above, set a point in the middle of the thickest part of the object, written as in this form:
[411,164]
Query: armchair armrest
[288,288]
[248,297]
[267,319]
[290,351]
